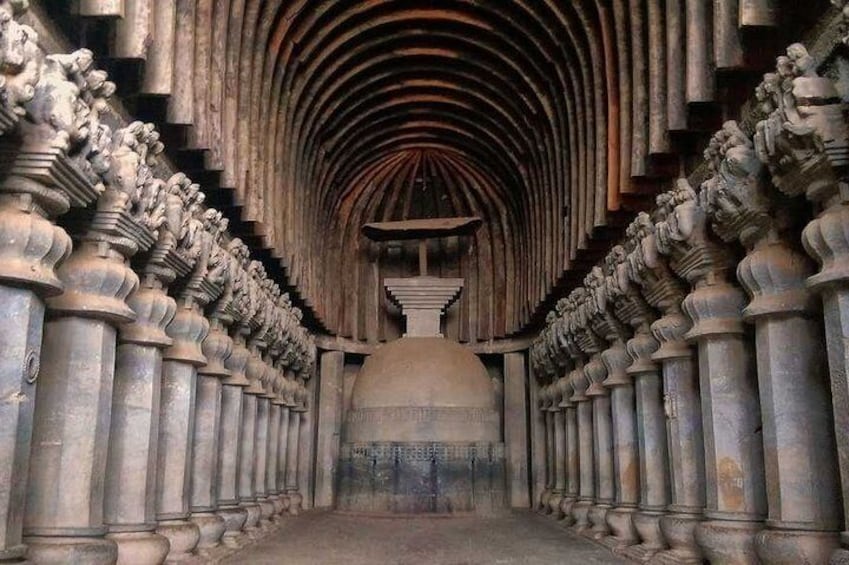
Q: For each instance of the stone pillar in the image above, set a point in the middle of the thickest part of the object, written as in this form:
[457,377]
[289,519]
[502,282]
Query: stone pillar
[230,441]
[652,444]
[292,452]
[64,518]
[516,428]
[31,247]
[807,155]
[203,500]
[287,395]
[306,459]
[176,423]
[537,439]
[664,291]
[684,436]
[266,507]
[247,494]
[801,467]
[129,509]
[626,465]
[247,455]
[39,183]
[329,426]
[546,395]
[798,435]
[572,466]
[271,459]
[736,497]
[559,455]
[586,494]
[823,241]
[602,447]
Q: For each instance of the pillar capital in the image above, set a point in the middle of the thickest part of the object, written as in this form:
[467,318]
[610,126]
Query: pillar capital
[804,139]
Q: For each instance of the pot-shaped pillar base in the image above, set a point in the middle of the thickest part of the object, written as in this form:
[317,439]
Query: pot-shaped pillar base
[728,542]
[647,525]
[786,547]
[211,527]
[679,532]
[620,520]
[251,529]
[295,500]
[554,505]
[140,548]
[183,536]
[566,506]
[62,550]
[581,514]
[598,521]
[266,508]
[234,520]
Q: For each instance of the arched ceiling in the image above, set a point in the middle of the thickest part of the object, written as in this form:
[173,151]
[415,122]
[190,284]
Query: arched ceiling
[362,91]
[544,117]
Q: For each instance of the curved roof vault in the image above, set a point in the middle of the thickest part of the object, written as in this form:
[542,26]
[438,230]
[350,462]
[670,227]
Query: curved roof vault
[546,118]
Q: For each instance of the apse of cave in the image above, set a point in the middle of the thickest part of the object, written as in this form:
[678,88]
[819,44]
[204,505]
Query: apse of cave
[360,282]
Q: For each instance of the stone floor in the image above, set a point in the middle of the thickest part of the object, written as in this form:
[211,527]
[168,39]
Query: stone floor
[322,538]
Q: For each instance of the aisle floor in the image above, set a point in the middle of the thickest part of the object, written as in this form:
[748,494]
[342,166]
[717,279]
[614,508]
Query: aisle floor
[326,538]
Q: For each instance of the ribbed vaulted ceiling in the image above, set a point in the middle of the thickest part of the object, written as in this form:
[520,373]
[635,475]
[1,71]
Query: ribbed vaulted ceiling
[543,117]
[372,100]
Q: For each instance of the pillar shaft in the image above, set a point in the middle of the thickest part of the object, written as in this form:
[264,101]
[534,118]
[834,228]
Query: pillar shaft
[329,426]
[64,519]
[573,478]
[283,449]
[30,248]
[548,417]
[684,437]
[626,467]
[176,429]
[736,496]
[559,451]
[247,493]
[129,505]
[260,457]
[825,240]
[586,493]
[21,326]
[271,457]
[292,460]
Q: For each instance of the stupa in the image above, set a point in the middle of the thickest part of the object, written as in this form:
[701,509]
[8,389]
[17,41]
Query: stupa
[422,433]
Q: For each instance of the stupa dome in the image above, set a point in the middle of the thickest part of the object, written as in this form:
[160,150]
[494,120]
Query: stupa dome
[423,389]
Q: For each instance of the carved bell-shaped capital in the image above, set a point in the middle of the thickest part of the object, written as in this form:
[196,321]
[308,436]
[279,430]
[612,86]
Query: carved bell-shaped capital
[616,361]
[217,348]
[97,283]
[554,397]
[237,362]
[544,399]
[289,388]
[596,372]
[826,239]
[564,389]
[774,275]
[267,378]
[154,311]
[31,247]
[255,372]
[640,349]
[715,310]
[669,331]
[579,383]
[188,329]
